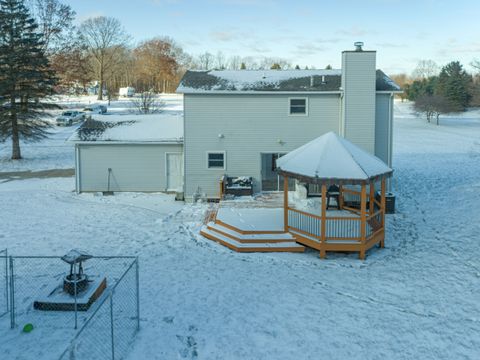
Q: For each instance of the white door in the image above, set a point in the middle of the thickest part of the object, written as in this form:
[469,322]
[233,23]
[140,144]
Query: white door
[174,171]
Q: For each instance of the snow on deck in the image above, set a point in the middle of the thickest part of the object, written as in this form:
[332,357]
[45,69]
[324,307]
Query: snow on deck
[252,219]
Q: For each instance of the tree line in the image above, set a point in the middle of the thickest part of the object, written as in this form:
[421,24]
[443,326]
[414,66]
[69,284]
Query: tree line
[436,91]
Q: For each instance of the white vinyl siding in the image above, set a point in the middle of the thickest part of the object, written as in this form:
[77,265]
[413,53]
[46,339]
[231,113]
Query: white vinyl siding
[358,83]
[383,127]
[134,167]
[249,125]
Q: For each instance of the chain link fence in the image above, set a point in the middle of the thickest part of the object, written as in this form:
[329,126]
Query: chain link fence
[4,293]
[102,318]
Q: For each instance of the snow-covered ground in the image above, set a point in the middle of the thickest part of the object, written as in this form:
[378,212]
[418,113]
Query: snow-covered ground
[55,152]
[419,298]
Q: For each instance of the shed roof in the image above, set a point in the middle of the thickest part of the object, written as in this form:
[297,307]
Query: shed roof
[333,158]
[238,81]
[131,128]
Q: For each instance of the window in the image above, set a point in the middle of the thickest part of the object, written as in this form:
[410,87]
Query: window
[216,160]
[298,106]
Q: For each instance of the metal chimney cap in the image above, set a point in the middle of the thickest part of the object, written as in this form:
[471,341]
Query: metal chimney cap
[358,45]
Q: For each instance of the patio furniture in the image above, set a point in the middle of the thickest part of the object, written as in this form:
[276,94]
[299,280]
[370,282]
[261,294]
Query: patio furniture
[236,186]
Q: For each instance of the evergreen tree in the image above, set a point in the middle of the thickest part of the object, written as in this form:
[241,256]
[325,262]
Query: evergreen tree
[243,66]
[297,67]
[328,67]
[25,77]
[455,84]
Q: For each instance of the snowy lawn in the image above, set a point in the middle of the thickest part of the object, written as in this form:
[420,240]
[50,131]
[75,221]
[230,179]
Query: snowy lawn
[54,152]
[419,298]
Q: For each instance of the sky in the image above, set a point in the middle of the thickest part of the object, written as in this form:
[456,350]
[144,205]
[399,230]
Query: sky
[308,33]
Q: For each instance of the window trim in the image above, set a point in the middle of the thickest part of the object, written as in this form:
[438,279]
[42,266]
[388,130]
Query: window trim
[224,153]
[290,106]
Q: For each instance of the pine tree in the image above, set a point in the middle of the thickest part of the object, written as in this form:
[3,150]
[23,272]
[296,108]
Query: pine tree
[243,66]
[454,83]
[297,67]
[25,77]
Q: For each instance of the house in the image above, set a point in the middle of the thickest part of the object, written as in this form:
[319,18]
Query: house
[239,122]
[129,153]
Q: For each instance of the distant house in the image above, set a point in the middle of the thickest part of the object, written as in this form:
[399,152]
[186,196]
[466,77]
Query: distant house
[237,123]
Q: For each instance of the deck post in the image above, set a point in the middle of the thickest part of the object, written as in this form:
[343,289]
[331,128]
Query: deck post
[323,230]
[340,197]
[382,204]
[372,197]
[363,220]
[285,203]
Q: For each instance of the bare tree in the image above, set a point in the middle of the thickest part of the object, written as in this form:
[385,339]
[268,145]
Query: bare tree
[205,61]
[105,39]
[220,61]
[432,106]
[55,21]
[147,103]
[425,69]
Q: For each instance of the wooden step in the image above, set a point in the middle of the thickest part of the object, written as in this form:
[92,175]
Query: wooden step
[250,238]
[250,247]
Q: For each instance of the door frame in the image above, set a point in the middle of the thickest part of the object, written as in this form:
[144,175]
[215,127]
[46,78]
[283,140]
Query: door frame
[166,170]
[261,169]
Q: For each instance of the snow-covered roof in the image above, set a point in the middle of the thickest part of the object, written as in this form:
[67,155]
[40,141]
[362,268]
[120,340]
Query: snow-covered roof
[331,157]
[232,81]
[131,128]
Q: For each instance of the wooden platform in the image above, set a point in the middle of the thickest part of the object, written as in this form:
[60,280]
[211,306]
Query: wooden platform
[256,229]
[247,237]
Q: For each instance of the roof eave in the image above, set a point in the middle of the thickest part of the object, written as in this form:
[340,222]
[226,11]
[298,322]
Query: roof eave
[326,181]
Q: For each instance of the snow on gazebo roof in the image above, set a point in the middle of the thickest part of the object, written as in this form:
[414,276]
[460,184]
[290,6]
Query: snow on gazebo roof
[331,157]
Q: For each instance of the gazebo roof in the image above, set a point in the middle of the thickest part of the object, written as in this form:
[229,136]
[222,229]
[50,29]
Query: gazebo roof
[332,158]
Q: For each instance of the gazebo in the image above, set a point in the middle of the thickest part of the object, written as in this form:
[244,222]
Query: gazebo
[359,222]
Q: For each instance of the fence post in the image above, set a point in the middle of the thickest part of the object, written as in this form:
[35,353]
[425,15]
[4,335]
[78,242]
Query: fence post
[111,325]
[12,295]
[137,278]
[7,293]
[75,291]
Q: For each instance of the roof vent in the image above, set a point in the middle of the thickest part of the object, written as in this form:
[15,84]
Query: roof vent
[358,45]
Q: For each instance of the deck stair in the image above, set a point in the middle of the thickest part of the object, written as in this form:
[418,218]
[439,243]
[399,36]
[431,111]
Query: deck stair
[244,241]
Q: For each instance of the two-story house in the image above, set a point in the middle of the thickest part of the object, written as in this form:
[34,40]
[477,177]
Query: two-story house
[239,122]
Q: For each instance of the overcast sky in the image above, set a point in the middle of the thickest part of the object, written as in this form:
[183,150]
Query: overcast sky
[306,32]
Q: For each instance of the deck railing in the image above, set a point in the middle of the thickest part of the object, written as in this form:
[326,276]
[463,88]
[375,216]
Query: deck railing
[337,229]
[304,222]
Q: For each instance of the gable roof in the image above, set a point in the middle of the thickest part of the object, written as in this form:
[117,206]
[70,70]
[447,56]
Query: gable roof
[332,157]
[131,129]
[237,81]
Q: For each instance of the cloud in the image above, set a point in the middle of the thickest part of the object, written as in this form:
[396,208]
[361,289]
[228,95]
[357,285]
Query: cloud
[224,36]
[309,49]
[355,31]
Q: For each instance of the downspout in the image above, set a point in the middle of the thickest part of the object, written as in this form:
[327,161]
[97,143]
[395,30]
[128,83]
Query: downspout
[77,168]
[340,114]
[390,138]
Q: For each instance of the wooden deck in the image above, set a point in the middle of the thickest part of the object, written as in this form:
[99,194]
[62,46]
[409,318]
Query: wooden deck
[246,228]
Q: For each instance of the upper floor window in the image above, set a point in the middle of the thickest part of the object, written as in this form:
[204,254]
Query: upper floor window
[216,160]
[298,106]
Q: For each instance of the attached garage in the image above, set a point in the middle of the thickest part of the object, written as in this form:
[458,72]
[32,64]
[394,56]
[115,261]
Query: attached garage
[122,158]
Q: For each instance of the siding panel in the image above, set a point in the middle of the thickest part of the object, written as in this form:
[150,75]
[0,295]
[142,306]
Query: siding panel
[134,167]
[250,125]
